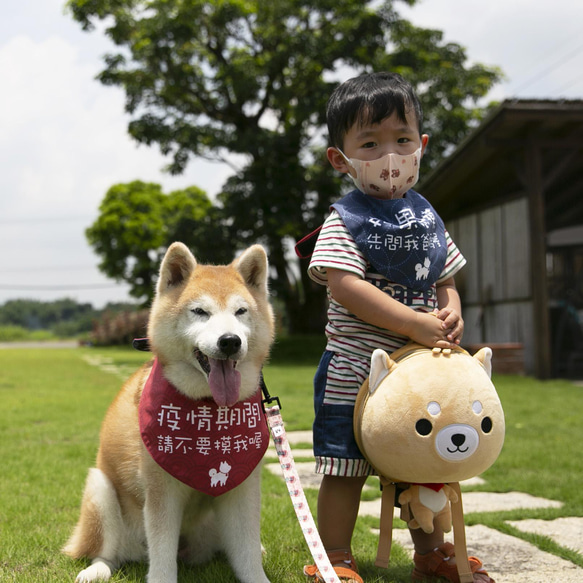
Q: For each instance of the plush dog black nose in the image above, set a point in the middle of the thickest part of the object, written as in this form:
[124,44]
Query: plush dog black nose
[458,439]
[229,344]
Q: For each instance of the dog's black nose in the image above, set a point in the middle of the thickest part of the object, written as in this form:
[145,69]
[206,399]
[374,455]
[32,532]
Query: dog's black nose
[458,439]
[229,344]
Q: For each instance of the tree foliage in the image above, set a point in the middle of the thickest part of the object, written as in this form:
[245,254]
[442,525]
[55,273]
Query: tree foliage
[138,222]
[252,77]
[37,315]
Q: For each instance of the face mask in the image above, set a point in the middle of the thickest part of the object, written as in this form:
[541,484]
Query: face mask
[387,177]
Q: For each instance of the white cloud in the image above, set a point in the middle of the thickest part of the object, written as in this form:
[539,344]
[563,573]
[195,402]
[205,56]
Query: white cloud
[63,143]
[520,36]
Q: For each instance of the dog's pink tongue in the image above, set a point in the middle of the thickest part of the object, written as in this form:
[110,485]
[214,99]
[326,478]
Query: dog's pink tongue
[224,382]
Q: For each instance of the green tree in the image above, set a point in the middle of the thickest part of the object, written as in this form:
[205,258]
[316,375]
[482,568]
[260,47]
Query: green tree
[137,223]
[209,78]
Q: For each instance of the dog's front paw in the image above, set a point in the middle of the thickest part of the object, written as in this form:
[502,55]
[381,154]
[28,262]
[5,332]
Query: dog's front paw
[100,570]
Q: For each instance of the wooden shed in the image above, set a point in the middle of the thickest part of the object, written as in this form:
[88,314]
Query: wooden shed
[512,196]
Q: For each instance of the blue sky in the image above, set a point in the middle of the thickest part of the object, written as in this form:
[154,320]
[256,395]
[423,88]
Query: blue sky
[63,139]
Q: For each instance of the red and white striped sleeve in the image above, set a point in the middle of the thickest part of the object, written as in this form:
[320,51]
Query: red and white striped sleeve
[336,249]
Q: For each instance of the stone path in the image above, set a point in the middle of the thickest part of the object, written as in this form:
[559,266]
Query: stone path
[107,364]
[508,559]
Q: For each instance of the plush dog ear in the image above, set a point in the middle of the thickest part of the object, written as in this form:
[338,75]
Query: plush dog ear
[177,266]
[380,366]
[484,357]
[252,265]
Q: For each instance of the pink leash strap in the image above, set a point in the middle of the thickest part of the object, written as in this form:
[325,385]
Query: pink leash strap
[297,495]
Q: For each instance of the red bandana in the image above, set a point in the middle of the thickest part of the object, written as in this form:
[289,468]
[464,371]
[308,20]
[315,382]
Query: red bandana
[210,448]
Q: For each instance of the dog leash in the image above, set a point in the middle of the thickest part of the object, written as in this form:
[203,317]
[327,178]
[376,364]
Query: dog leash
[272,406]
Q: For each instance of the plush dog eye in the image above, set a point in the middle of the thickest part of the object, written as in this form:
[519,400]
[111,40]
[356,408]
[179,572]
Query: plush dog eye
[423,427]
[486,424]
[199,312]
[241,311]
[434,408]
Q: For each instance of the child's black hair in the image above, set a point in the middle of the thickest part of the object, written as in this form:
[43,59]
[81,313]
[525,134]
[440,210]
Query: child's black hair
[368,99]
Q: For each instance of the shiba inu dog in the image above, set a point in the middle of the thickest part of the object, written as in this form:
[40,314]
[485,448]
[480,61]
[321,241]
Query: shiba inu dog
[153,495]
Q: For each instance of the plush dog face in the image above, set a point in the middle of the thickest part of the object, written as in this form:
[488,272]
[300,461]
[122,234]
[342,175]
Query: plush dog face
[431,417]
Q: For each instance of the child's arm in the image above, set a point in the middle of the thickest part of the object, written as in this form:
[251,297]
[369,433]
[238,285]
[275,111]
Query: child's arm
[374,306]
[450,310]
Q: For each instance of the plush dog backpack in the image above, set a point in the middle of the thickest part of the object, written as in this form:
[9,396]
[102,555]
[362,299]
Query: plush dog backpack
[428,419]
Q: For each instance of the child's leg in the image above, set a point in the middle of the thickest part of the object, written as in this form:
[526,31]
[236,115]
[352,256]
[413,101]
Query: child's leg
[425,543]
[426,565]
[338,503]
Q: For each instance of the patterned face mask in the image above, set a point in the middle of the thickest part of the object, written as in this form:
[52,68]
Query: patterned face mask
[387,177]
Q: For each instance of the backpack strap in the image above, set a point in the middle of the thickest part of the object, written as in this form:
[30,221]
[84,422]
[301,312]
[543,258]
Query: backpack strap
[305,246]
[459,537]
[386,525]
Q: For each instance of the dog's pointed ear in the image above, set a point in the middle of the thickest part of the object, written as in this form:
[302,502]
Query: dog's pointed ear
[380,366]
[177,266]
[484,357]
[253,267]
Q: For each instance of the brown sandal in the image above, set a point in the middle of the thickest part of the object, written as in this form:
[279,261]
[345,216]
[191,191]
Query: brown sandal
[436,564]
[344,566]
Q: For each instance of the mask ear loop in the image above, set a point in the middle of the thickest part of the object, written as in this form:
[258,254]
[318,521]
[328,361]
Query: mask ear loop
[346,159]
[351,166]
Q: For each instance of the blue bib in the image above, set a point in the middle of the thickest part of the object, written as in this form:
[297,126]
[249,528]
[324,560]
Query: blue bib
[403,238]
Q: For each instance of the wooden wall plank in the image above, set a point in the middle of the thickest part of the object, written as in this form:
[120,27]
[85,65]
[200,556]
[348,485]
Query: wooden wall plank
[517,250]
[491,256]
[466,238]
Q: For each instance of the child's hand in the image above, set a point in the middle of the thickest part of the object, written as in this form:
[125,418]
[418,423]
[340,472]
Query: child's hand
[452,323]
[432,331]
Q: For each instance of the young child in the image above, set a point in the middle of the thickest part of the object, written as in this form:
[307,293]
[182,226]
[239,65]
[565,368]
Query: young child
[389,265]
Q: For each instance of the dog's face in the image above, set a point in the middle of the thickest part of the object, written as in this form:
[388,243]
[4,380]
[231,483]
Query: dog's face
[212,326]
[432,417]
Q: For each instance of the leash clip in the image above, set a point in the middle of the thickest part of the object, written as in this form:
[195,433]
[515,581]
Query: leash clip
[267,398]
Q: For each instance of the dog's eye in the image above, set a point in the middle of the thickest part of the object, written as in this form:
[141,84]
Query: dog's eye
[241,311]
[199,312]
[486,424]
[423,427]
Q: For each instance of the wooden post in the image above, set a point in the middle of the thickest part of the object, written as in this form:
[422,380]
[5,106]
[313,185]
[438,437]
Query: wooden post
[538,252]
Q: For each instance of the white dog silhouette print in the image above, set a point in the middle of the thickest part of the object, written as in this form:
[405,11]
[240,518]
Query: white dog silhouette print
[423,270]
[220,477]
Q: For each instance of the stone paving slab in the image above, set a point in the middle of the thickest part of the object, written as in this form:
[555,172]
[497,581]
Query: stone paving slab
[501,501]
[477,502]
[305,470]
[300,436]
[509,559]
[567,532]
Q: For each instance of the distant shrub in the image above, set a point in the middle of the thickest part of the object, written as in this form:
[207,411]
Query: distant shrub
[13,333]
[121,328]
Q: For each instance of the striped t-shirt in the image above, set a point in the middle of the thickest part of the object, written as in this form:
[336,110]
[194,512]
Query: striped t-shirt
[347,334]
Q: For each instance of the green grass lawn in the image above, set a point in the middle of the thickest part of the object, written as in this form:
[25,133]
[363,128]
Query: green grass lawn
[52,403]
